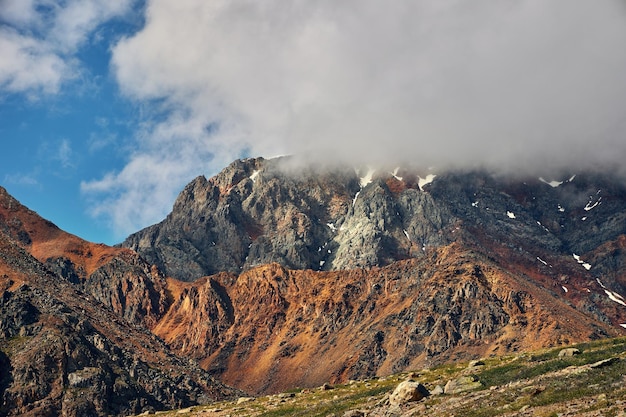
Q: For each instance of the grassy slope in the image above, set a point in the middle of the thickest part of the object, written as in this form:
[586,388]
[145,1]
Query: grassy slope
[537,384]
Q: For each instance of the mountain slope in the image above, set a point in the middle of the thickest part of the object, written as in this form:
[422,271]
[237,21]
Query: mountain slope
[270,329]
[382,270]
[64,353]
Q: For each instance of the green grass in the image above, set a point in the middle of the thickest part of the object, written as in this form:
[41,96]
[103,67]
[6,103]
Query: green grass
[509,384]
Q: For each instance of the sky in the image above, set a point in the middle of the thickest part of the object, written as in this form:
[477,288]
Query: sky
[109,107]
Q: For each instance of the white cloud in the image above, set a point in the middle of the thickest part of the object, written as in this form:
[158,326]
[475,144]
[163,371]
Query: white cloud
[451,81]
[169,154]
[505,84]
[39,38]
[27,65]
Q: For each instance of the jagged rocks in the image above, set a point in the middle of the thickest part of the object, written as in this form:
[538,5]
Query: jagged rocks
[64,354]
[303,219]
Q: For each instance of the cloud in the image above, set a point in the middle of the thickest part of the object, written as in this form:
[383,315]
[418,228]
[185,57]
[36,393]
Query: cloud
[64,154]
[21,179]
[39,40]
[510,84]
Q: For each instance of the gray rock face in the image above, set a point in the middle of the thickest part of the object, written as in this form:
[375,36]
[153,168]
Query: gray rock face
[257,212]
[260,211]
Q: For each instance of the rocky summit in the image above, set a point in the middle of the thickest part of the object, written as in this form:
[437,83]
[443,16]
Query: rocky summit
[271,276]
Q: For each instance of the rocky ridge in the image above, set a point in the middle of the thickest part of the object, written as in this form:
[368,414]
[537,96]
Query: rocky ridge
[63,351]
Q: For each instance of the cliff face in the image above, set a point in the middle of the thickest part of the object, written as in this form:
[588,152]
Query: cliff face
[62,351]
[260,211]
[257,212]
[270,329]
[380,271]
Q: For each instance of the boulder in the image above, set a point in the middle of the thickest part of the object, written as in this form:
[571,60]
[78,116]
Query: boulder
[604,362]
[408,391]
[462,384]
[438,390]
[569,352]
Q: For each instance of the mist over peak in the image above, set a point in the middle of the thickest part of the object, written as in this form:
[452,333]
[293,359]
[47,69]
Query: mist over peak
[512,86]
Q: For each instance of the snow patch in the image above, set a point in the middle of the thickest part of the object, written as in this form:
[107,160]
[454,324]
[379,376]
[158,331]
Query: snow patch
[355,197]
[510,214]
[322,263]
[395,174]
[406,234]
[561,209]
[584,218]
[424,181]
[564,288]
[475,204]
[331,226]
[591,206]
[542,261]
[583,263]
[615,297]
[552,184]
[623,325]
[571,178]
[367,178]
[254,175]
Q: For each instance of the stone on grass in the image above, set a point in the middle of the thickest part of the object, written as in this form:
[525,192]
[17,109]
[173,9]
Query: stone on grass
[568,352]
[408,391]
[462,384]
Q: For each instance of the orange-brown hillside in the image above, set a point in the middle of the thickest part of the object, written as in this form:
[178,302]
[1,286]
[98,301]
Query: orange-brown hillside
[270,328]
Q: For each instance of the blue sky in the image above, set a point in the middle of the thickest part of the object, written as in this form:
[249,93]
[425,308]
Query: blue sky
[56,134]
[108,108]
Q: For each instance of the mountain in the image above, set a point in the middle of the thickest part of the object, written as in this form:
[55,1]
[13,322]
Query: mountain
[73,335]
[270,276]
[296,276]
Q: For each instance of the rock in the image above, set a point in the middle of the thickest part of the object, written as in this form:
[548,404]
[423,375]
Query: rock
[242,400]
[568,352]
[408,391]
[462,384]
[438,390]
[475,363]
[603,363]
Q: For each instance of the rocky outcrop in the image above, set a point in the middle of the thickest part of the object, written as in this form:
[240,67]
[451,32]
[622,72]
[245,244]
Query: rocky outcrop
[63,352]
[270,328]
[118,278]
[260,211]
